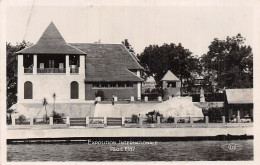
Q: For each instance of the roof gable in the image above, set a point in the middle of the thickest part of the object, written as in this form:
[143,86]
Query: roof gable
[169,76]
[51,42]
[239,96]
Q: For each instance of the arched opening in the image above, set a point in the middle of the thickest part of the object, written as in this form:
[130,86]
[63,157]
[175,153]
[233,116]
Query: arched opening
[74,90]
[28,90]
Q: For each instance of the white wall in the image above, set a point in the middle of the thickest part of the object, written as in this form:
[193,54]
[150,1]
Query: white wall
[44,85]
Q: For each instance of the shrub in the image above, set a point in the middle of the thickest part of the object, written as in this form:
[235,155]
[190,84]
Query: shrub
[22,120]
[152,116]
[170,120]
[134,118]
[58,118]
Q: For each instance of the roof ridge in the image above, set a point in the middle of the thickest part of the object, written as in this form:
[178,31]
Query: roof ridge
[76,48]
[132,56]
[134,74]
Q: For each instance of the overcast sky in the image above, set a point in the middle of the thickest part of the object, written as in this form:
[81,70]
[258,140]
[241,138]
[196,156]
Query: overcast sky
[195,26]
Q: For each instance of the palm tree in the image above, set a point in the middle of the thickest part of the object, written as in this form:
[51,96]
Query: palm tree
[45,103]
[54,98]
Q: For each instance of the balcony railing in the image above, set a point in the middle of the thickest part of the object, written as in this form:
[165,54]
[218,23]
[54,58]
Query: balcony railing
[51,70]
[74,70]
[28,70]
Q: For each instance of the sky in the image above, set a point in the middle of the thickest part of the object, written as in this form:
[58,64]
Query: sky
[194,26]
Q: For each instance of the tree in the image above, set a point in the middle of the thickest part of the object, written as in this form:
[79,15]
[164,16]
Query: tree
[157,60]
[54,98]
[229,63]
[128,46]
[11,71]
[45,103]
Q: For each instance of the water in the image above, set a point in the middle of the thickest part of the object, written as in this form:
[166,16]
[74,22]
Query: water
[163,151]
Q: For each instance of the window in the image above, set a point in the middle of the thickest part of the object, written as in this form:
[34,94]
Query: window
[74,90]
[104,85]
[112,84]
[121,84]
[171,85]
[96,85]
[28,90]
[51,63]
[129,84]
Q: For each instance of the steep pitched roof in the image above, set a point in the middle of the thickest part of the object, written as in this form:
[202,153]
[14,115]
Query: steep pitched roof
[51,42]
[108,62]
[169,76]
[240,96]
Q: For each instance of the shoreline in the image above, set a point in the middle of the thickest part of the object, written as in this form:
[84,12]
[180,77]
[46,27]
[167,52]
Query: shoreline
[132,139]
[157,134]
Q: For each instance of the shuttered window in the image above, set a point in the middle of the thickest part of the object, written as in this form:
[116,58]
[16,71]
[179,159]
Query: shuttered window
[28,90]
[74,90]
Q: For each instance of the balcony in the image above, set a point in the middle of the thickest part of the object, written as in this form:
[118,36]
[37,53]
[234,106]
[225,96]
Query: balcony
[51,70]
[28,70]
[74,70]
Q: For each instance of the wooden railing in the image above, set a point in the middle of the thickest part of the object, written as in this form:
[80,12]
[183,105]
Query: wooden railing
[74,70]
[51,70]
[28,70]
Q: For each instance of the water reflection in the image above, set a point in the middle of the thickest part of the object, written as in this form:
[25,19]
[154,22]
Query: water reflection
[164,151]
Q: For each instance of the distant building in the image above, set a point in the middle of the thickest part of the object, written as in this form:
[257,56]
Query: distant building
[239,102]
[148,84]
[172,84]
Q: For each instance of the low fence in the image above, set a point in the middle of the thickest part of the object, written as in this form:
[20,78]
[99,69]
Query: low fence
[131,122]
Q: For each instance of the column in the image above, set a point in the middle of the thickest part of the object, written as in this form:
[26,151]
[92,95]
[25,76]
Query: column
[68,121]
[158,119]
[51,121]
[35,64]
[139,91]
[223,119]
[67,65]
[123,121]
[82,65]
[20,86]
[87,121]
[138,73]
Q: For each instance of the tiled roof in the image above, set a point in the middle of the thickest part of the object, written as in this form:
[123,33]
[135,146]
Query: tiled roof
[51,42]
[169,76]
[240,96]
[108,62]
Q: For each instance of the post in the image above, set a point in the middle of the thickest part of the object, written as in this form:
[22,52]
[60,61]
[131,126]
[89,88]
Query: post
[87,121]
[145,98]
[206,119]
[68,121]
[31,121]
[191,120]
[223,119]
[123,121]
[158,120]
[98,98]
[105,121]
[35,64]
[140,121]
[175,120]
[51,121]
[160,98]
[67,65]
[139,88]
[13,121]
[238,119]
[132,98]
[82,65]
